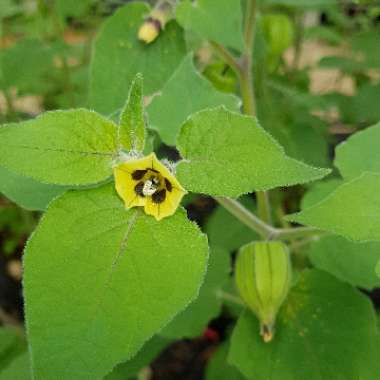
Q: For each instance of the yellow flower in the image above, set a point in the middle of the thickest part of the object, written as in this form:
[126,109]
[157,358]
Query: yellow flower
[149,183]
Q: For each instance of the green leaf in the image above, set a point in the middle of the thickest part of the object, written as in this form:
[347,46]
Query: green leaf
[99,281]
[26,192]
[30,78]
[144,357]
[352,210]
[220,21]
[119,56]
[74,147]
[185,93]
[73,8]
[326,330]
[225,231]
[229,154]
[18,368]
[351,262]
[219,369]
[359,153]
[318,191]
[192,321]
[131,132]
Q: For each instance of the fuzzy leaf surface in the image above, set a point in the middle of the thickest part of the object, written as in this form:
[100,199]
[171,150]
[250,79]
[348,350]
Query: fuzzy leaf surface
[229,154]
[352,210]
[119,56]
[74,147]
[185,93]
[218,21]
[325,330]
[99,281]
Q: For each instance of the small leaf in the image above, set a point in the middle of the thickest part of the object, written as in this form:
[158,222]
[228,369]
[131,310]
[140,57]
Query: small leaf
[225,231]
[219,369]
[360,153]
[99,281]
[144,357]
[348,261]
[352,210]
[18,368]
[186,92]
[74,147]
[218,21]
[326,330]
[30,78]
[119,56]
[193,320]
[26,192]
[318,191]
[131,131]
[229,154]
[12,344]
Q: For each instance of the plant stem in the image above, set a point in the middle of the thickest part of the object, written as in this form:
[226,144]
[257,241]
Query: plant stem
[263,206]
[248,95]
[295,233]
[266,231]
[246,88]
[249,22]
[246,217]
[232,61]
[230,297]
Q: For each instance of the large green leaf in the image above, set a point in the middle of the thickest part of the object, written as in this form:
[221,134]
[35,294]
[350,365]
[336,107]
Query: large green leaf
[352,210]
[192,321]
[326,330]
[119,56]
[219,21]
[359,153]
[185,93]
[229,154]
[74,147]
[351,262]
[99,281]
[27,192]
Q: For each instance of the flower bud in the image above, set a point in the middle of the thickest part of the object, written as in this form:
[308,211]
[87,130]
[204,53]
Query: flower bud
[263,276]
[156,21]
[149,31]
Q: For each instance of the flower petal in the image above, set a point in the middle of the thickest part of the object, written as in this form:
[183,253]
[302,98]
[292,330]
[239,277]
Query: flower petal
[125,186]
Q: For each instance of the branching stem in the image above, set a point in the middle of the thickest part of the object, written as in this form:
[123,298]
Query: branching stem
[266,231]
